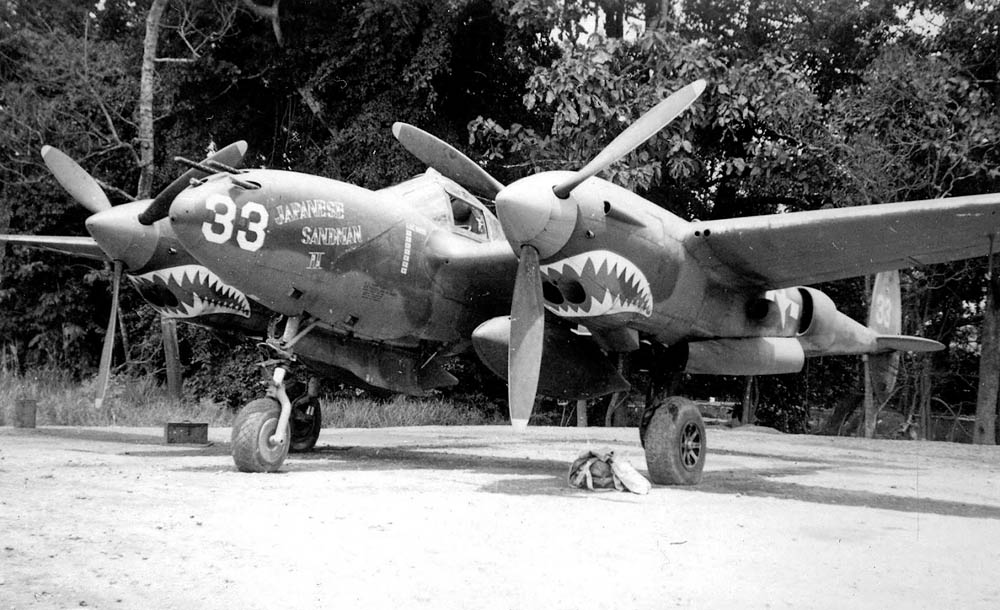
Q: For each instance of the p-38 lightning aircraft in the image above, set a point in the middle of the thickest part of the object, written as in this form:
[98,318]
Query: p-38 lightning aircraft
[571,273]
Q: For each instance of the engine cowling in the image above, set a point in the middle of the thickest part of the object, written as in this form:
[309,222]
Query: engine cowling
[572,368]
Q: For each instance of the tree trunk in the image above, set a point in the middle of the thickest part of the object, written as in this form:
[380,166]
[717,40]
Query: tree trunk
[581,414]
[659,14]
[271,13]
[870,408]
[168,328]
[989,363]
[748,414]
[147,82]
[147,171]
[926,433]
[614,18]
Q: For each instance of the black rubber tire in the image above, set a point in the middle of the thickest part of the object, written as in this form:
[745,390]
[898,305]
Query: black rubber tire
[252,430]
[675,442]
[306,422]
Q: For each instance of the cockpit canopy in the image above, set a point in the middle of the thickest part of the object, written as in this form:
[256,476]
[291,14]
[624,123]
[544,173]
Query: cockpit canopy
[448,205]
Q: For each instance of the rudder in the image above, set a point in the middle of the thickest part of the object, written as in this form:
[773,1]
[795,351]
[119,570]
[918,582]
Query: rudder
[885,317]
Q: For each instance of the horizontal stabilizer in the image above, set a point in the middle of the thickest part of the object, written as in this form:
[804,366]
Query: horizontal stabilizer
[75,246]
[907,343]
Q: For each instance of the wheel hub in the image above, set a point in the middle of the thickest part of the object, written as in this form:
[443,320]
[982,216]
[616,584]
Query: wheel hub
[270,450]
[690,445]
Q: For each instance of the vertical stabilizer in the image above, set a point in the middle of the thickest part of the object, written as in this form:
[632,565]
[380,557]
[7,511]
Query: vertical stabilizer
[885,318]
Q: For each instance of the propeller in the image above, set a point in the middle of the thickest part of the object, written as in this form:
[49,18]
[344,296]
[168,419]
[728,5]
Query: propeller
[77,182]
[527,330]
[643,129]
[231,155]
[538,223]
[88,193]
[107,351]
[125,241]
[446,159]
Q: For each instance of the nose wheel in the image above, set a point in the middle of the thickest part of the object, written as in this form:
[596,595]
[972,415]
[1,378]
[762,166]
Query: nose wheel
[254,446]
[267,429]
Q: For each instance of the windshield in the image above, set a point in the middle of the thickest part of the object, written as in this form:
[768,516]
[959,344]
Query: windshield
[445,203]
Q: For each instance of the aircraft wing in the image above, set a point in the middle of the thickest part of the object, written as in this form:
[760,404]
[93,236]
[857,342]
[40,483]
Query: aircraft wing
[784,250]
[76,246]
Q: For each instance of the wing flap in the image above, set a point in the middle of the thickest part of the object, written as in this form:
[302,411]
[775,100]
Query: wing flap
[75,246]
[784,250]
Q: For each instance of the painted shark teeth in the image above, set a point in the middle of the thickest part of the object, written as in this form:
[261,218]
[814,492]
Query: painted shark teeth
[189,291]
[602,283]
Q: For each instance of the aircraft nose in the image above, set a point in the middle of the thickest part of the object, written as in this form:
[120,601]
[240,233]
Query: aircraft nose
[118,232]
[531,214]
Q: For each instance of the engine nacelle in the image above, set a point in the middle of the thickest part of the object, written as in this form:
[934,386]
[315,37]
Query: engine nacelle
[750,356]
[573,367]
[825,331]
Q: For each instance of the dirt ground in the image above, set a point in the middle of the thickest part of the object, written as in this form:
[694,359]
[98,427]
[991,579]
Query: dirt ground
[482,518]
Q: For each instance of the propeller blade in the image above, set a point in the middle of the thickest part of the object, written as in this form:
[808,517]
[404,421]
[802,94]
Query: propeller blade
[109,339]
[77,182]
[446,159]
[645,128]
[84,247]
[527,330]
[231,155]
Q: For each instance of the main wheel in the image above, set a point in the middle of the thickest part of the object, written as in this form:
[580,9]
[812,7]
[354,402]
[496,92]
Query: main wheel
[673,435]
[306,422]
[253,427]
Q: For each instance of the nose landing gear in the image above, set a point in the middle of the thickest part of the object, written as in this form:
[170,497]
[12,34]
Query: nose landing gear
[266,429]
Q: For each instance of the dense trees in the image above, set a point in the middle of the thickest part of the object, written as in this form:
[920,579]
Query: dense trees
[812,103]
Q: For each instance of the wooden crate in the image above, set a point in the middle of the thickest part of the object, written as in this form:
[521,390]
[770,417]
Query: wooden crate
[185,433]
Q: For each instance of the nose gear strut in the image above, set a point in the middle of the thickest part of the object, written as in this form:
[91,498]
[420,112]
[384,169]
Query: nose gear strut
[276,390]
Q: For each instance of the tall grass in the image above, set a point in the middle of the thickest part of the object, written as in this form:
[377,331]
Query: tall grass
[139,401]
[135,401]
[401,411]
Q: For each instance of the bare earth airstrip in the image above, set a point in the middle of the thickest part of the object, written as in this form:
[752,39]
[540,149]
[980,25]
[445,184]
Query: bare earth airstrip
[482,518]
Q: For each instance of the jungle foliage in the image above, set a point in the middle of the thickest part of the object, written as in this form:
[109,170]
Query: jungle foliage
[811,103]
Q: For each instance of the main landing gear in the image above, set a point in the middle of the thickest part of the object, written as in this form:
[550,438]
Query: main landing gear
[673,434]
[267,429]
[671,429]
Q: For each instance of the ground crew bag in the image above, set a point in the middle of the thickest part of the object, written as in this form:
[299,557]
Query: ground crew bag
[596,470]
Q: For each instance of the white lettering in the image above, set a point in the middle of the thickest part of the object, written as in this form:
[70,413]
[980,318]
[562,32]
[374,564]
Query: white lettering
[305,210]
[331,236]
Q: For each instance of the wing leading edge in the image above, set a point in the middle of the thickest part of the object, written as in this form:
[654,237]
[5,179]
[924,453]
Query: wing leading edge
[784,250]
[76,246]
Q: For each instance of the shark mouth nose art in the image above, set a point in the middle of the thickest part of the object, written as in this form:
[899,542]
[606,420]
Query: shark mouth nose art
[189,291]
[595,283]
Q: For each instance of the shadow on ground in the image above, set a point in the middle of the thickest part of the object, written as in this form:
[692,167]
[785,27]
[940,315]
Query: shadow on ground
[548,477]
[770,483]
[526,476]
[100,435]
